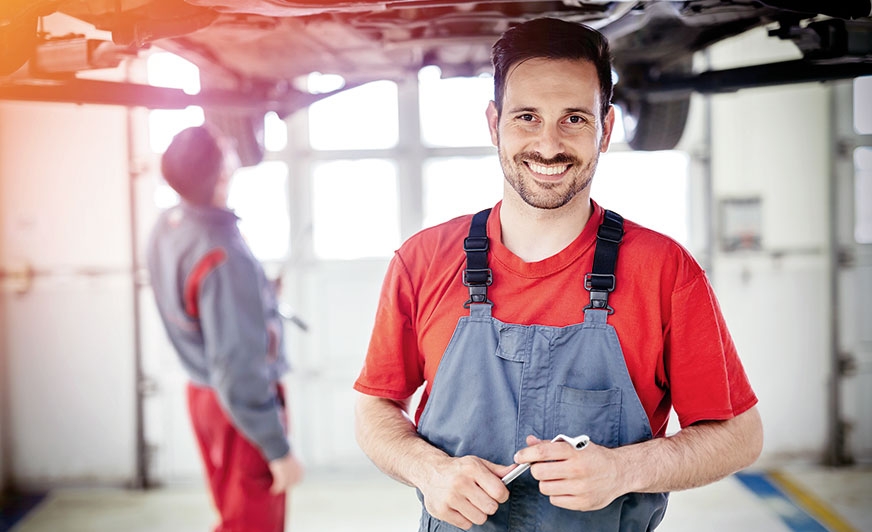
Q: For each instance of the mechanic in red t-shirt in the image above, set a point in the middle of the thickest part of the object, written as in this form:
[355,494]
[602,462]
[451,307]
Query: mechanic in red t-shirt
[549,317]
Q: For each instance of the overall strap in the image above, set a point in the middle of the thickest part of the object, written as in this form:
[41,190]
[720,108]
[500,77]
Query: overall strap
[477,276]
[601,280]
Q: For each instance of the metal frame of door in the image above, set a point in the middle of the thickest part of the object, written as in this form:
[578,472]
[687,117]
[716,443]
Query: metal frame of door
[850,357]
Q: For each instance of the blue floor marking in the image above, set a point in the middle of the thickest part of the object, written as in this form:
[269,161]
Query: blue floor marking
[796,518]
[14,507]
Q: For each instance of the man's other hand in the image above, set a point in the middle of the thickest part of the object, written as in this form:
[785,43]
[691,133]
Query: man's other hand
[286,472]
[465,491]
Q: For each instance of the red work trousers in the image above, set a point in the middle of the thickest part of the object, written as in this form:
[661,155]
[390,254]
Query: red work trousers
[238,475]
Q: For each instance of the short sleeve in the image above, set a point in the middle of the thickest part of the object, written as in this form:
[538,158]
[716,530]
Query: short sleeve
[706,377]
[393,368]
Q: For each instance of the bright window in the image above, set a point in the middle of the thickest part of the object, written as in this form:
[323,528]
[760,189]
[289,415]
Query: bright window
[452,110]
[275,132]
[649,188]
[863,195]
[618,134]
[454,186]
[362,118]
[318,83]
[168,70]
[164,69]
[259,196]
[355,209]
[163,124]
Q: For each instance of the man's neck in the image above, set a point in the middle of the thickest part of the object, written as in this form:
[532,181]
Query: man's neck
[536,234]
[219,200]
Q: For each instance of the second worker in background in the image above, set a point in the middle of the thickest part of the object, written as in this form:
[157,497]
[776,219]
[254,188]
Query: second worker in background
[221,314]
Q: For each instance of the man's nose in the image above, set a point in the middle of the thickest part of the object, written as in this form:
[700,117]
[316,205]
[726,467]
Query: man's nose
[550,141]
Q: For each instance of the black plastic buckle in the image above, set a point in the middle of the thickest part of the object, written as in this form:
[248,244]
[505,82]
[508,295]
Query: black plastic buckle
[476,243]
[610,234]
[478,279]
[599,285]
[477,294]
[599,300]
[602,282]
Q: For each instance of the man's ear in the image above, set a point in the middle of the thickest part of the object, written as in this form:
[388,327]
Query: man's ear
[493,122]
[608,127]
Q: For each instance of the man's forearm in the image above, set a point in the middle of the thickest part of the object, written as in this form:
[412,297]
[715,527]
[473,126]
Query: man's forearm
[388,436]
[695,456]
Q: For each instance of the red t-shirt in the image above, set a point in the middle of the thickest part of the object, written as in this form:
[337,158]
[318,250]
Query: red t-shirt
[672,333]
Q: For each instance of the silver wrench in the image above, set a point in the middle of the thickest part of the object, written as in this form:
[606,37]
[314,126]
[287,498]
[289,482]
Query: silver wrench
[579,443]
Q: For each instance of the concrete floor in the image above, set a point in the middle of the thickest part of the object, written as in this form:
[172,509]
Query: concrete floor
[843,497]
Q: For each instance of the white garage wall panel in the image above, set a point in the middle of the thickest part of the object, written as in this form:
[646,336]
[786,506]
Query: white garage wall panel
[338,301]
[773,144]
[4,373]
[69,334]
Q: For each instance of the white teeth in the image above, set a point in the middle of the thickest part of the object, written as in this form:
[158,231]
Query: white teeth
[547,170]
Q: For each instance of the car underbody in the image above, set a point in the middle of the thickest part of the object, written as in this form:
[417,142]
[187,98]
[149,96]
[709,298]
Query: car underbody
[252,53]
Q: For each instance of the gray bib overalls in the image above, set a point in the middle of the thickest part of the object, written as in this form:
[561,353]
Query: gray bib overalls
[498,382]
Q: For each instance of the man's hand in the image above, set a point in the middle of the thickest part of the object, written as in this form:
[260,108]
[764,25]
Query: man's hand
[576,480]
[286,472]
[696,455]
[464,491]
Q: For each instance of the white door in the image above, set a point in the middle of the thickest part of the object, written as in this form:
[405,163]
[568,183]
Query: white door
[853,228]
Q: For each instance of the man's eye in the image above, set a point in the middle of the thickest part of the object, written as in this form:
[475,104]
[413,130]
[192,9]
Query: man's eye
[526,117]
[575,119]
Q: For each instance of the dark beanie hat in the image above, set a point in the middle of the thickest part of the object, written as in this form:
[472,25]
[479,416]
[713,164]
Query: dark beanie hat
[192,164]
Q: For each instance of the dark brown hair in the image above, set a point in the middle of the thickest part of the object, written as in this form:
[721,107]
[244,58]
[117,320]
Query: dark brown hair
[550,38]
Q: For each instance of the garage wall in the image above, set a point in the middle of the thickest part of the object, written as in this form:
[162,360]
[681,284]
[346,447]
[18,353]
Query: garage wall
[773,144]
[4,375]
[68,328]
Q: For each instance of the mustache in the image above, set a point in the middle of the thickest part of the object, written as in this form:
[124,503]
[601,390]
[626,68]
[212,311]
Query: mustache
[534,157]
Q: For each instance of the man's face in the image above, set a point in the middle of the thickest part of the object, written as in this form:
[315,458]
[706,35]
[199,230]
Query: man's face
[550,134]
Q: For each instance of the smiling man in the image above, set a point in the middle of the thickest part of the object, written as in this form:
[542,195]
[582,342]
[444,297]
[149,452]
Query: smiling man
[548,152]
[548,322]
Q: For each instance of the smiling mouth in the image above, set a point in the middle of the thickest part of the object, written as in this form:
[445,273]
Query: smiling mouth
[547,169]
